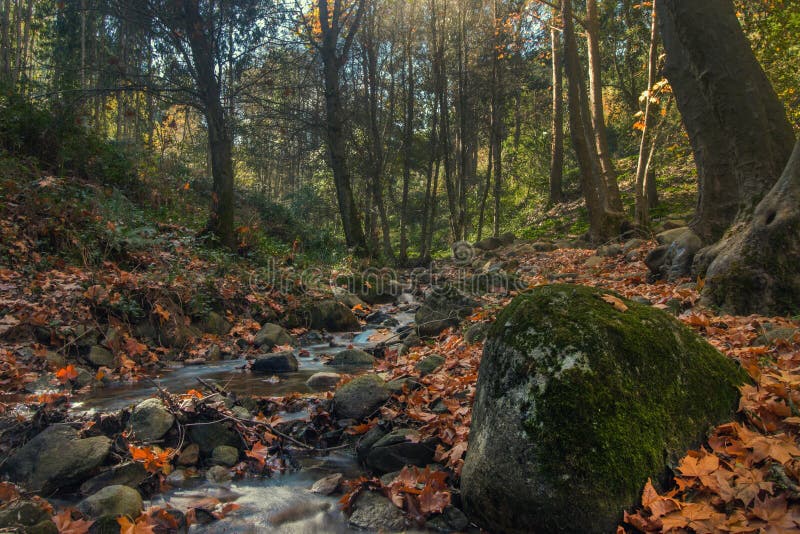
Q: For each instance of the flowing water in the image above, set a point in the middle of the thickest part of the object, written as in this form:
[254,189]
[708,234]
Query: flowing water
[281,504]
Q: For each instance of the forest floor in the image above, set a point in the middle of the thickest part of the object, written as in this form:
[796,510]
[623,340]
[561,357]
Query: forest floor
[127,305]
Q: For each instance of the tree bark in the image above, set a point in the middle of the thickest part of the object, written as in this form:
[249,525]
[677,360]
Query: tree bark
[603,225]
[642,204]
[757,269]
[335,126]
[596,107]
[735,121]
[220,142]
[557,136]
[408,140]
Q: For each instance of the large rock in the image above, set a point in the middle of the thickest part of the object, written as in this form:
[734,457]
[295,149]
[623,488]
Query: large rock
[333,316]
[398,449]
[279,362]
[114,501]
[674,258]
[272,335]
[151,420]
[360,397]
[579,403]
[445,306]
[355,357]
[56,458]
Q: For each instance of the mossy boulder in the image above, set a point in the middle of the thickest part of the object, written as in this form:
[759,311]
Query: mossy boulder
[333,316]
[578,403]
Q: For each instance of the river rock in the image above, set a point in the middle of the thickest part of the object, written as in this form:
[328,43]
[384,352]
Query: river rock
[578,404]
[56,458]
[22,514]
[352,357]
[347,298]
[272,335]
[674,258]
[333,316]
[445,306]
[490,243]
[399,448]
[190,455]
[151,420]
[450,520]
[129,474]
[210,436]
[215,324]
[360,397]
[323,380]
[609,251]
[429,364]
[218,474]
[508,238]
[225,455]
[399,384]
[276,363]
[101,357]
[113,501]
[372,511]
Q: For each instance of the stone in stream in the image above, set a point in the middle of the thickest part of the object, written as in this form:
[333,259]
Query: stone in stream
[101,357]
[113,501]
[190,455]
[20,516]
[579,403]
[399,448]
[372,511]
[323,380]
[333,316]
[210,436]
[352,357]
[272,335]
[225,455]
[445,306]
[219,475]
[129,474]
[348,299]
[56,458]
[360,397]
[279,362]
[151,420]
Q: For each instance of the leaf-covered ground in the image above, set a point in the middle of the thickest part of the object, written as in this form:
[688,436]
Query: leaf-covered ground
[745,479]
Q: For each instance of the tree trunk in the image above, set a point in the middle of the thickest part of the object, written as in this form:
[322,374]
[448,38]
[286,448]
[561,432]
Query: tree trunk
[757,270]
[603,225]
[408,140]
[735,121]
[642,206]
[557,142]
[335,128]
[220,142]
[485,194]
[596,106]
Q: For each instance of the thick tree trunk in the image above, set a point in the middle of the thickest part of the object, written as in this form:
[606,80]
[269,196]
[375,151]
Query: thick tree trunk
[596,106]
[757,269]
[735,121]
[603,225]
[557,139]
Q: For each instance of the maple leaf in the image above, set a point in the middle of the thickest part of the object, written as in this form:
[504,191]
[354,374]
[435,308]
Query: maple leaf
[65,374]
[259,453]
[142,525]
[67,525]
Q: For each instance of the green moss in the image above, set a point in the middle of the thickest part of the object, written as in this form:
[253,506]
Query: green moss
[617,396]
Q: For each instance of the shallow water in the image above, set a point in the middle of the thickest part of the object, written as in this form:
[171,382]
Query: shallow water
[281,504]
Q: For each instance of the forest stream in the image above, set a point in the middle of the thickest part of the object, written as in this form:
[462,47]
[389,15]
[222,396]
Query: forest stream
[281,503]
